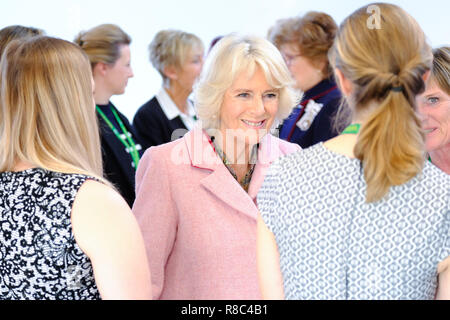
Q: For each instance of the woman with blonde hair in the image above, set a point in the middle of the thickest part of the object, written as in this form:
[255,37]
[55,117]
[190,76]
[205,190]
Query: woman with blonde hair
[434,110]
[59,219]
[195,199]
[304,43]
[178,57]
[367,216]
[108,49]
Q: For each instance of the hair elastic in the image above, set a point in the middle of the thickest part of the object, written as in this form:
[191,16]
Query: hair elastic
[397,89]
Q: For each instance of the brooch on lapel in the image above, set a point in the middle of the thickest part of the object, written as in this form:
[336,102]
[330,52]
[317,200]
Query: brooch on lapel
[311,111]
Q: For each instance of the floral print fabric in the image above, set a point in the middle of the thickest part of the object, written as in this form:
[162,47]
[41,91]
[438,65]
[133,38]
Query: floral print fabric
[39,258]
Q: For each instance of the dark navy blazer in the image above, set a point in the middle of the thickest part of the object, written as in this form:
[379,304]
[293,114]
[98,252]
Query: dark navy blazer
[118,166]
[320,127]
[153,126]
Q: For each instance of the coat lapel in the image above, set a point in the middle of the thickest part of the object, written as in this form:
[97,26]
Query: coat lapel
[269,150]
[219,182]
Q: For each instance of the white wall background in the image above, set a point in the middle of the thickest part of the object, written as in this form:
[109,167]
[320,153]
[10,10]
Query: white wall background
[141,19]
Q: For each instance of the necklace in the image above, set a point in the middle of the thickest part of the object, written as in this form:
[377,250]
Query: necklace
[245,182]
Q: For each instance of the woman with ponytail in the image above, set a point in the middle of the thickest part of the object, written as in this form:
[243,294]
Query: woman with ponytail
[363,215]
[108,49]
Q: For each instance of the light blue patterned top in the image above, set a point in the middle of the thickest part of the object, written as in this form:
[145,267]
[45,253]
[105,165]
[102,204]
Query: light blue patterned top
[333,245]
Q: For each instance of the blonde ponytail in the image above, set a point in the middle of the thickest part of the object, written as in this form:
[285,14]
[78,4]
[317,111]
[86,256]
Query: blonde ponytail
[390,146]
[386,67]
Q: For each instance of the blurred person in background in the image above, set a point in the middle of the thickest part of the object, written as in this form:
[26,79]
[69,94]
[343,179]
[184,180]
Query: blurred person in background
[304,43]
[178,57]
[108,49]
[16,32]
[434,110]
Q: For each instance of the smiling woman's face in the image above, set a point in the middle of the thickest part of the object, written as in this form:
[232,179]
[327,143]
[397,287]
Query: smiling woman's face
[434,109]
[249,108]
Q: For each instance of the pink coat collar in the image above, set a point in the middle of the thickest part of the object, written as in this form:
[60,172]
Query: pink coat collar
[221,184]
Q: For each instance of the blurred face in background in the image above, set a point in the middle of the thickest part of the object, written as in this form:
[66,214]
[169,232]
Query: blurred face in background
[434,109]
[190,69]
[117,75]
[305,73]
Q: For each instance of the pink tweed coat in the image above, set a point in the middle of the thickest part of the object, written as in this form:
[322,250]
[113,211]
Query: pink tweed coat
[198,224]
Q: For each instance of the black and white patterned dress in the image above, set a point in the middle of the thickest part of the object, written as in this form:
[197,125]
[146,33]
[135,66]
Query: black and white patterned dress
[334,245]
[39,258]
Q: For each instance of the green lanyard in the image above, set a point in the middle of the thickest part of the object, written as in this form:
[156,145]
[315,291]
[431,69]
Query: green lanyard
[130,144]
[352,129]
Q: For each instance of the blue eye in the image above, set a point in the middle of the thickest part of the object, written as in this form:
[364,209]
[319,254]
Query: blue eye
[432,100]
[271,95]
[243,95]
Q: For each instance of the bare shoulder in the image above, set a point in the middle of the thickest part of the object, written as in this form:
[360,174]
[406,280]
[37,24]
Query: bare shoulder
[98,213]
[94,195]
[105,229]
